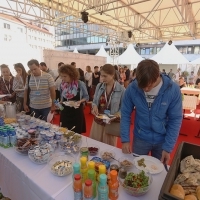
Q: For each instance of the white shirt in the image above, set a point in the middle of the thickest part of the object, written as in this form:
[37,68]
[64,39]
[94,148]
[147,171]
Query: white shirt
[151,95]
[57,83]
[88,77]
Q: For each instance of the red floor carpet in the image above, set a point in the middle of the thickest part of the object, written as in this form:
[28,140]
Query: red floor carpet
[189,127]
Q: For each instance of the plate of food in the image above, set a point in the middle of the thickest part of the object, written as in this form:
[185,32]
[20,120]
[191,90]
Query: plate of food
[102,116]
[69,103]
[153,165]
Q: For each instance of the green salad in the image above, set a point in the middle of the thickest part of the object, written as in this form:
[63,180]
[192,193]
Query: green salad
[136,180]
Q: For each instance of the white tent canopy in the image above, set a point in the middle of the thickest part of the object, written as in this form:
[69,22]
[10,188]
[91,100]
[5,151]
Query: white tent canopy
[169,54]
[75,50]
[130,56]
[103,53]
[196,61]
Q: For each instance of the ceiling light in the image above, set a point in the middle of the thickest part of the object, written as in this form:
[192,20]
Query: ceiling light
[170,42]
[130,34]
[84,16]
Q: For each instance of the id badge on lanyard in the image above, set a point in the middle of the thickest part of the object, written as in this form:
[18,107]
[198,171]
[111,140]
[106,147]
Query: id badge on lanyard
[37,92]
[107,111]
[7,88]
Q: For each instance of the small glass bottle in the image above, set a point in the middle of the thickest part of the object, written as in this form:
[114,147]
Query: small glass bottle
[76,169]
[102,170]
[77,186]
[83,161]
[92,176]
[102,188]
[113,185]
[122,173]
[88,191]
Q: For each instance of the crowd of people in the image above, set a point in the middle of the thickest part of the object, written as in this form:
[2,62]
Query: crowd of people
[184,79]
[114,91]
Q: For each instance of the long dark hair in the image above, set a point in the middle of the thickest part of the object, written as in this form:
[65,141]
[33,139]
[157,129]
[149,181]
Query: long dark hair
[109,69]
[24,73]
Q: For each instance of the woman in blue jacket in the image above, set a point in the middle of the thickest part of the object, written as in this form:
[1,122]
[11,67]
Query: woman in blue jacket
[107,99]
[158,118]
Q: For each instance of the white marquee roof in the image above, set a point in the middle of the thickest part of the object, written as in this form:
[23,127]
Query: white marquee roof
[75,50]
[130,56]
[196,61]
[103,53]
[169,54]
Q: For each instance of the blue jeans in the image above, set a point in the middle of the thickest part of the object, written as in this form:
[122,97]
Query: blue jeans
[43,113]
[142,147]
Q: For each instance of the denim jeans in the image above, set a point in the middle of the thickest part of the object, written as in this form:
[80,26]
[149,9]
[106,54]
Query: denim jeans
[142,147]
[43,113]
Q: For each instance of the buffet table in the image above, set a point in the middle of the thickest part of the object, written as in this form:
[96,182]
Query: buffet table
[20,179]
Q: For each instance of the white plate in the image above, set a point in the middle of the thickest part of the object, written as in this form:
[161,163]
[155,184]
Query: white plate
[19,90]
[50,116]
[69,103]
[102,116]
[4,95]
[150,163]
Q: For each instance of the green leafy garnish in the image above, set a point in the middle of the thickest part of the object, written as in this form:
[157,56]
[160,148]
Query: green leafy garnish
[136,180]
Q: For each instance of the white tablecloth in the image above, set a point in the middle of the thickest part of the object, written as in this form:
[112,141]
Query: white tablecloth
[20,179]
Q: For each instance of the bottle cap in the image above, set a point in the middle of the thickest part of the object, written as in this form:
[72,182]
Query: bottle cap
[76,167]
[77,177]
[83,160]
[102,169]
[88,182]
[91,174]
[103,179]
[113,174]
[91,164]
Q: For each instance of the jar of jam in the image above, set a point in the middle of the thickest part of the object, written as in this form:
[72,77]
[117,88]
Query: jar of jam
[84,152]
[122,173]
[114,167]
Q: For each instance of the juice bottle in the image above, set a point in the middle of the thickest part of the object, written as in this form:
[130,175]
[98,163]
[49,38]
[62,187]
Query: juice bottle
[84,169]
[102,188]
[91,165]
[87,192]
[102,170]
[113,185]
[76,169]
[92,176]
[77,186]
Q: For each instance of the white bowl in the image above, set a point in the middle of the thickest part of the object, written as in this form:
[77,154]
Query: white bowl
[136,191]
[61,164]
[107,155]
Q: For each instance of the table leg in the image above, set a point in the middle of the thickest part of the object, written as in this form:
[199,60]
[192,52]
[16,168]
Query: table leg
[198,135]
[184,115]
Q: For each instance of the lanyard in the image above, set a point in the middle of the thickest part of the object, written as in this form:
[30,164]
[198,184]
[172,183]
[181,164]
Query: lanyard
[7,88]
[108,101]
[37,84]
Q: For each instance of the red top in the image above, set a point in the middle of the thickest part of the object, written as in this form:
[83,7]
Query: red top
[77,177]
[88,182]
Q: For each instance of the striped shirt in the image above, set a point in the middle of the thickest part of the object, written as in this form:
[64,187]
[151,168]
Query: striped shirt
[40,98]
